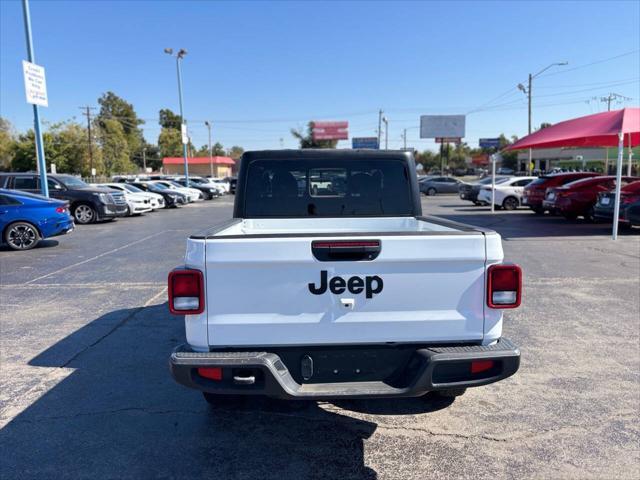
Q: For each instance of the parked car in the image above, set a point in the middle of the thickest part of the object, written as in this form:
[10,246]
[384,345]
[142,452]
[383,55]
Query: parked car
[630,214]
[336,286]
[604,207]
[87,204]
[137,203]
[578,198]
[505,171]
[155,199]
[27,218]
[534,193]
[508,194]
[233,181]
[209,191]
[221,182]
[435,185]
[192,194]
[469,191]
[171,198]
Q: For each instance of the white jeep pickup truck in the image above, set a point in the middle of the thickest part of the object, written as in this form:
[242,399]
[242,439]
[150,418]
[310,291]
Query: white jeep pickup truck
[345,291]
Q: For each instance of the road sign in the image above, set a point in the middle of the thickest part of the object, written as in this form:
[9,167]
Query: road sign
[330,130]
[35,84]
[455,140]
[365,142]
[185,134]
[489,143]
[435,126]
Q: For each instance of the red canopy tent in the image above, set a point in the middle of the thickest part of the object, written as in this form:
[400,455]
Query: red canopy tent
[608,129]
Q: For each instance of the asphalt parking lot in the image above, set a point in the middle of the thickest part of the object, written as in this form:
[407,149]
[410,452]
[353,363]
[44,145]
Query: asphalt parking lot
[85,389]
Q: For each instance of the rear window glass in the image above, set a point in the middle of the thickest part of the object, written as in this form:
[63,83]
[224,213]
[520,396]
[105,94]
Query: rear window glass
[25,183]
[325,188]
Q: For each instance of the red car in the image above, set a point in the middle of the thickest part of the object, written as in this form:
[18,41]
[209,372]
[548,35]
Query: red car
[577,199]
[533,195]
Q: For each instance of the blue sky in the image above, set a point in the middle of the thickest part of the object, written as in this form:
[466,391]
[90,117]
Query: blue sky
[257,69]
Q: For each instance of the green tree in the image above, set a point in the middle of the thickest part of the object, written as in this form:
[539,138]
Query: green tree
[306,139]
[112,107]
[7,144]
[115,149]
[168,119]
[235,152]
[170,143]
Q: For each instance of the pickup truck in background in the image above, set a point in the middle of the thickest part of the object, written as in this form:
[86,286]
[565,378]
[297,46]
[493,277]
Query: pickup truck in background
[340,291]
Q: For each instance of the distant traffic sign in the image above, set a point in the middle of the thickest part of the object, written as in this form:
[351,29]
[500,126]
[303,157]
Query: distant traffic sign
[365,142]
[489,143]
[35,84]
[330,130]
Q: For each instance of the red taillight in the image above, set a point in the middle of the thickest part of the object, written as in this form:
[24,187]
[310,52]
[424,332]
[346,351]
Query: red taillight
[624,199]
[186,292]
[212,373]
[478,366]
[61,209]
[504,286]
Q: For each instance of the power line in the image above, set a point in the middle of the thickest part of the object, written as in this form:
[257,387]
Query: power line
[565,70]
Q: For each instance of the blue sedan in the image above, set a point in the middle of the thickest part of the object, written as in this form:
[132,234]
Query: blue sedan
[26,218]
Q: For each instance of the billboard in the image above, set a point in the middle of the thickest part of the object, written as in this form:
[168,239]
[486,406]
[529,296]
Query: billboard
[330,130]
[365,142]
[489,143]
[439,126]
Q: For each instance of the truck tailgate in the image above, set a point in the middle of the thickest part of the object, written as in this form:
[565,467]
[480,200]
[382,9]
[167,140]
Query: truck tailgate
[258,291]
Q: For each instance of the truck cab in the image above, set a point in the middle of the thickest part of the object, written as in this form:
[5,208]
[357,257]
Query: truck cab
[329,282]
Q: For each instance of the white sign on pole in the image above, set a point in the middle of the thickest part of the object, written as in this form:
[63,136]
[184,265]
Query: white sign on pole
[93,172]
[35,84]
[185,135]
[447,126]
[53,169]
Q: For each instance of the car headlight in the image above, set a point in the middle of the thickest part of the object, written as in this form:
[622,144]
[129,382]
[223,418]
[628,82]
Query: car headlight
[104,198]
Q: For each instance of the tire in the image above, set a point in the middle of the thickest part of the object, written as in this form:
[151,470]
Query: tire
[538,210]
[21,236]
[589,216]
[83,213]
[510,203]
[431,192]
[129,213]
[450,392]
[223,400]
[570,216]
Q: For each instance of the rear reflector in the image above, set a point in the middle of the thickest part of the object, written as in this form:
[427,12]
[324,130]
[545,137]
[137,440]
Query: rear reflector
[504,286]
[186,292]
[212,373]
[478,366]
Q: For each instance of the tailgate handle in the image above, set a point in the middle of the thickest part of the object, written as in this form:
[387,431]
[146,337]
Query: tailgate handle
[345,250]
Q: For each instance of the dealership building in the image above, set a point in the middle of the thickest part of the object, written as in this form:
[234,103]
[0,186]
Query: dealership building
[547,158]
[201,166]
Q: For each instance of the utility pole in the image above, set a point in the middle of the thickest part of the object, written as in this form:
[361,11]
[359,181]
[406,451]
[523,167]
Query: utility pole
[404,138]
[87,112]
[210,155]
[380,112]
[144,159]
[41,163]
[183,124]
[527,91]
[608,99]
[386,132]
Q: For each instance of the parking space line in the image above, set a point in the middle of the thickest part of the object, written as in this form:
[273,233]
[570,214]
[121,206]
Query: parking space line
[96,257]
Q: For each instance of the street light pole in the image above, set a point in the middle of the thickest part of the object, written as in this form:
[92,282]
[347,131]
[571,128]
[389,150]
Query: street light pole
[404,138]
[183,124]
[42,165]
[527,91]
[210,157]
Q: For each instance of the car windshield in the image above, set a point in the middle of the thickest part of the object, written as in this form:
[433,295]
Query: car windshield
[133,189]
[70,181]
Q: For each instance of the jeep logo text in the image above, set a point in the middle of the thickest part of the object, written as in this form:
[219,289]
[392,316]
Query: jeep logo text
[371,285]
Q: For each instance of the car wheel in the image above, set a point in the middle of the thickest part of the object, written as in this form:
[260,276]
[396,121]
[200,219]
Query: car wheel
[538,210]
[589,216]
[21,236]
[570,216]
[128,213]
[84,213]
[510,203]
[431,191]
